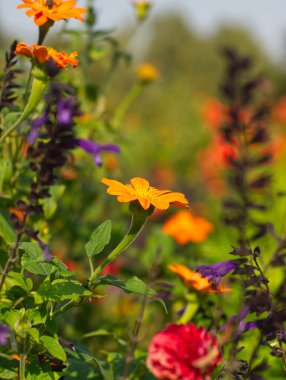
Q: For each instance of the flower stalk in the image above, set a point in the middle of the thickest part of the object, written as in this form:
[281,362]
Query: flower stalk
[38,87]
[125,104]
[137,224]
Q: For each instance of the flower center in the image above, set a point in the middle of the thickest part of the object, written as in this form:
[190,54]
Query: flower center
[150,193]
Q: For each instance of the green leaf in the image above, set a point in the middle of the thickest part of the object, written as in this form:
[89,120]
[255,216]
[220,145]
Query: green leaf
[99,239]
[62,269]
[6,373]
[3,167]
[81,371]
[50,204]
[6,231]
[60,290]
[54,347]
[104,367]
[17,279]
[33,260]
[34,334]
[36,371]
[37,315]
[99,332]
[133,285]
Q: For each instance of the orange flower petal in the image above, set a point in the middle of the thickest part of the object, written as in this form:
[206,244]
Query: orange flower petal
[40,53]
[140,182]
[144,202]
[116,188]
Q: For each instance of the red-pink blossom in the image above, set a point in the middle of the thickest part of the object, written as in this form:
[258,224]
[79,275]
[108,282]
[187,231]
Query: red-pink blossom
[183,352]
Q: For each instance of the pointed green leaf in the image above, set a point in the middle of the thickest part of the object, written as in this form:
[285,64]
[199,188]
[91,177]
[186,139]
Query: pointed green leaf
[99,239]
[6,231]
[53,346]
[33,260]
[83,355]
[60,290]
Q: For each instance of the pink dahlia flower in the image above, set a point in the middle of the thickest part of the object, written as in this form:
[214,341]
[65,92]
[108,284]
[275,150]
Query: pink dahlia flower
[183,352]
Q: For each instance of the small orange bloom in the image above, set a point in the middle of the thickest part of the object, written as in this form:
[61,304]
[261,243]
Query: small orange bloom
[62,59]
[196,281]
[41,54]
[142,9]
[184,227]
[140,190]
[19,213]
[214,113]
[147,73]
[54,10]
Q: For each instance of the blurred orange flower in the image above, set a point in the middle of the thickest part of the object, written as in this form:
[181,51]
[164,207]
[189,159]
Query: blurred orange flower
[19,213]
[142,9]
[147,73]
[214,113]
[196,281]
[140,190]
[184,227]
[213,160]
[54,10]
[279,111]
[41,54]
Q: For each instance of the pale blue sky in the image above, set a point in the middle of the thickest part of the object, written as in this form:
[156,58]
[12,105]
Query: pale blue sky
[266,18]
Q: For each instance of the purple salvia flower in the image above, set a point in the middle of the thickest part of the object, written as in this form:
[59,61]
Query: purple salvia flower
[36,125]
[242,325]
[216,271]
[4,333]
[44,248]
[65,111]
[95,149]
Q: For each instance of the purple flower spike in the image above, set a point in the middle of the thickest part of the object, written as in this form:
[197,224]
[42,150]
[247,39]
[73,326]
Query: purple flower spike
[242,325]
[95,149]
[45,249]
[216,271]
[4,333]
[36,125]
[65,112]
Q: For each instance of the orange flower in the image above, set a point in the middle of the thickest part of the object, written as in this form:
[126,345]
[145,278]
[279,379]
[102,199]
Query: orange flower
[140,190]
[214,113]
[196,281]
[213,160]
[147,73]
[142,9]
[185,227]
[54,10]
[18,213]
[41,54]
[62,59]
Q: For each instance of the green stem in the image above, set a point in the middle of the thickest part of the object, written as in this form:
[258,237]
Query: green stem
[91,265]
[137,224]
[125,104]
[62,309]
[38,88]
[22,362]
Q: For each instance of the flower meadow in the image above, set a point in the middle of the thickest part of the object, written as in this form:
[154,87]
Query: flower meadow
[142,218]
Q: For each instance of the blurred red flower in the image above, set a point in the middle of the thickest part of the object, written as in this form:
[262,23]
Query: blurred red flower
[183,352]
